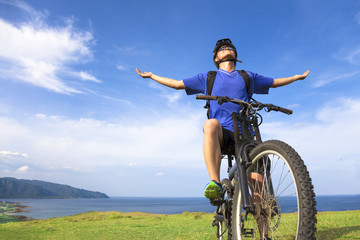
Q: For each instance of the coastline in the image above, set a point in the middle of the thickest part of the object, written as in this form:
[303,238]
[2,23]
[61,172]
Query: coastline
[50,208]
[7,210]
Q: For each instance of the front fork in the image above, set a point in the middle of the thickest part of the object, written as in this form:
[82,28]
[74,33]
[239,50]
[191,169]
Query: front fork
[241,157]
[242,161]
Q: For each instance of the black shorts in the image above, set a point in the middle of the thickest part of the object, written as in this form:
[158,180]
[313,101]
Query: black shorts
[229,142]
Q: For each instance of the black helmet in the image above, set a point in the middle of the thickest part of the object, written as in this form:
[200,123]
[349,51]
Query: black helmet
[219,44]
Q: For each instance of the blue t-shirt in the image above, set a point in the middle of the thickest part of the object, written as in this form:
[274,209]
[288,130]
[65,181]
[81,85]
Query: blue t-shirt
[229,84]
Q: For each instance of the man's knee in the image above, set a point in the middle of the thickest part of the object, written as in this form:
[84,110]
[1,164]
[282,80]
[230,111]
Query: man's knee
[212,127]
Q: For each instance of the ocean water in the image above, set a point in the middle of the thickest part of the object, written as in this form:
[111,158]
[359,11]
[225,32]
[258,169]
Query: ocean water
[49,208]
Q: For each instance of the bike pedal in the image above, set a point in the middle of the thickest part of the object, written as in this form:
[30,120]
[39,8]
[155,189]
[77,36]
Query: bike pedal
[248,233]
[214,223]
[216,201]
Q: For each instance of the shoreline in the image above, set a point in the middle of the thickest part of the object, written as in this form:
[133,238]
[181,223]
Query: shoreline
[7,210]
[50,208]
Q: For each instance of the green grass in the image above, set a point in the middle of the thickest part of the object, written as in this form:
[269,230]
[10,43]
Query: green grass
[4,218]
[338,225]
[117,225]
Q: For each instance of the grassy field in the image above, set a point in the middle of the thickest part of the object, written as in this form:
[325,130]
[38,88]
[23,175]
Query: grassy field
[117,225]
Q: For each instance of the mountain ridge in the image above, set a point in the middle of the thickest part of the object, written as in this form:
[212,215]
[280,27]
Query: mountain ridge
[23,188]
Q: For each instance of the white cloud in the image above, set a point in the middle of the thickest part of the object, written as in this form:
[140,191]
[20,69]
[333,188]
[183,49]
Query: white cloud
[321,143]
[328,78]
[122,101]
[40,115]
[350,54]
[39,54]
[23,169]
[86,77]
[169,94]
[159,174]
[121,67]
[9,154]
[295,105]
[357,18]
[56,142]
[327,144]
[333,133]
[128,50]
[173,97]
[354,57]
[35,15]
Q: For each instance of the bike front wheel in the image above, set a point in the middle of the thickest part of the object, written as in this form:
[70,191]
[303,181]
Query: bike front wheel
[282,193]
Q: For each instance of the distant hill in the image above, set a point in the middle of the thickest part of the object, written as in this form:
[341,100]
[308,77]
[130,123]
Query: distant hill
[21,188]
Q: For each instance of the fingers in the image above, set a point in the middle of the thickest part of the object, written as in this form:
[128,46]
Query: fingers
[306,73]
[139,72]
[144,74]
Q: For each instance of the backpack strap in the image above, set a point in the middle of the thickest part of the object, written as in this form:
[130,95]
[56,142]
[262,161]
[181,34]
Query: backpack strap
[210,79]
[246,78]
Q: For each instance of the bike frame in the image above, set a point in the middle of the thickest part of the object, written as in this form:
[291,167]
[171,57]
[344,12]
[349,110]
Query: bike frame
[242,144]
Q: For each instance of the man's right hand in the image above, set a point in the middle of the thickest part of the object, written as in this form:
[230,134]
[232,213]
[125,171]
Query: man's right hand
[144,74]
[169,82]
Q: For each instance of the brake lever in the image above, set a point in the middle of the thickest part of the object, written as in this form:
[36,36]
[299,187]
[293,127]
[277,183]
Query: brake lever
[223,100]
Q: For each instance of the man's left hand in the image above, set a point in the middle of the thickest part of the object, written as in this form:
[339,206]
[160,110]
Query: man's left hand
[303,76]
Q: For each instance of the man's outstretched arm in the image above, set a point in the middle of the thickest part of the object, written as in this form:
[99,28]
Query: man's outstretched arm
[279,82]
[172,83]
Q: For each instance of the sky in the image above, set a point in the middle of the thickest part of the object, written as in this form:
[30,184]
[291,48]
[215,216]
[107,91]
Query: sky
[74,111]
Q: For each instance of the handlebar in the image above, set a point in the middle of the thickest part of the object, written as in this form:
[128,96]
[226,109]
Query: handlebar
[279,109]
[258,105]
[206,97]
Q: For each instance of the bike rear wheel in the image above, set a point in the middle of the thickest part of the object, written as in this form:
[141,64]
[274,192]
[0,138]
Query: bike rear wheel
[284,199]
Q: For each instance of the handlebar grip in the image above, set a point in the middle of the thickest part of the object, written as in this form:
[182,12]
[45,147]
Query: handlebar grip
[279,109]
[206,97]
[285,110]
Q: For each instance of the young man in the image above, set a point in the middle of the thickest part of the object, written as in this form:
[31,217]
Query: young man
[218,129]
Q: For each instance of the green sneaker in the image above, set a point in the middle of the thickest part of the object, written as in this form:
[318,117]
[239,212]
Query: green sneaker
[213,190]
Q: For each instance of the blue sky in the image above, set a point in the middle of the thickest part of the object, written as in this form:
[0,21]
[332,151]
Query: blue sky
[74,111]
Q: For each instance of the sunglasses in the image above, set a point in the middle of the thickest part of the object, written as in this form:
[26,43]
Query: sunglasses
[225,48]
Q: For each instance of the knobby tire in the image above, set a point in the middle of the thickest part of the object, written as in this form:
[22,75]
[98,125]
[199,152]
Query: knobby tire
[291,182]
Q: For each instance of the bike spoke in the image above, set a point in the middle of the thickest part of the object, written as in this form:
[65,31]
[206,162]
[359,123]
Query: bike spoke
[285,196]
[286,188]
[274,184]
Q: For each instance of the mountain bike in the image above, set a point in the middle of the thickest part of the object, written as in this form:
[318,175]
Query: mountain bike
[268,193]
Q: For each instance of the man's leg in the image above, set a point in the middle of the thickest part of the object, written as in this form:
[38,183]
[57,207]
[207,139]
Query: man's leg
[213,138]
